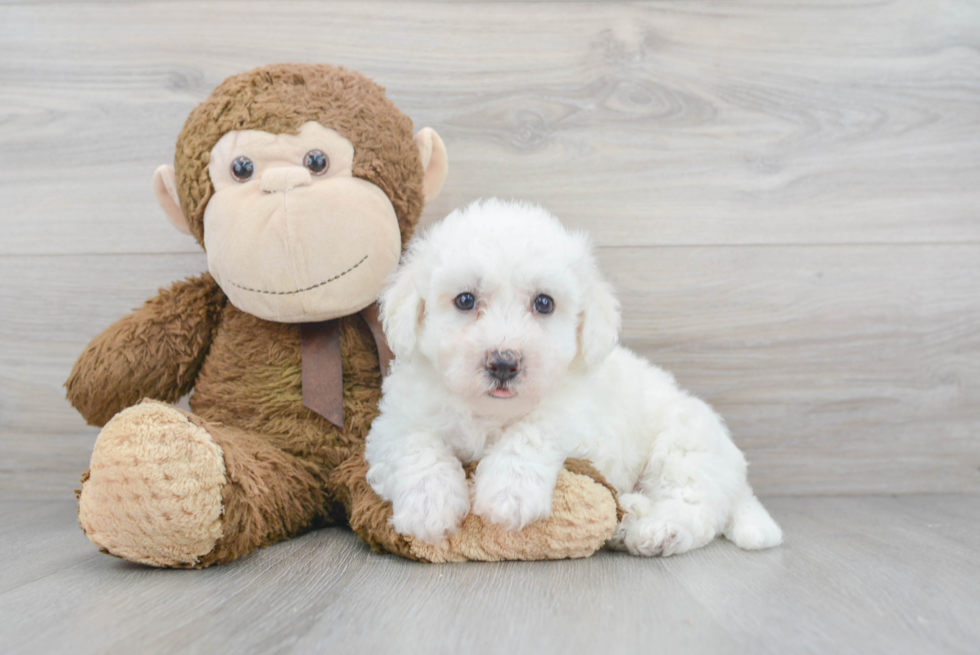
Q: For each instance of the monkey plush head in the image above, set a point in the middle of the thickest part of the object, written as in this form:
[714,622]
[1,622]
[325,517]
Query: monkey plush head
[302,182]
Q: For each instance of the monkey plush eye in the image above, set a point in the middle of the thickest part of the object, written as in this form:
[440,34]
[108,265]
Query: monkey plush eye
[242,169]
[544,304]
[465,301]
[317,161]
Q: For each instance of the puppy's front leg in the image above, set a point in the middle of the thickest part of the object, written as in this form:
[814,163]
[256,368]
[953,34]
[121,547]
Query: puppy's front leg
[425,483]
[514,483]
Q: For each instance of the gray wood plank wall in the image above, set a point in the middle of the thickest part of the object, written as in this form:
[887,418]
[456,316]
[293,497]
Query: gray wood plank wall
[786,195]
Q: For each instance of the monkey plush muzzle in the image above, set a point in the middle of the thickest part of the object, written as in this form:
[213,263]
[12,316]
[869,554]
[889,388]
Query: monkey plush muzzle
[293,241]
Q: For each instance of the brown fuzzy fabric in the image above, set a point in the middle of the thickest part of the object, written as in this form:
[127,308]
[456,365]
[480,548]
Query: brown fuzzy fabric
[155,352]
[252,381]
[270,495]
[279,99]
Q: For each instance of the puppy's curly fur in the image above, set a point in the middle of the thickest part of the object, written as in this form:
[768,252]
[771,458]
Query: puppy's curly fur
[504,284]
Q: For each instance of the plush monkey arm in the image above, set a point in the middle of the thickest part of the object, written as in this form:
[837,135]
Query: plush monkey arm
[155,352]
[585,511]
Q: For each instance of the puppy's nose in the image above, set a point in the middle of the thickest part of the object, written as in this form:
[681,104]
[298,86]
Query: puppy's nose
[502,365]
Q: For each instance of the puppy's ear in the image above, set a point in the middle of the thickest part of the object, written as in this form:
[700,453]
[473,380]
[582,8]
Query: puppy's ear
[401,312]
[600,319]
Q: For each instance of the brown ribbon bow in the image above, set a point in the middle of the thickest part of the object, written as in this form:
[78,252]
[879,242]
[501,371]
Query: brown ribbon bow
[323,371]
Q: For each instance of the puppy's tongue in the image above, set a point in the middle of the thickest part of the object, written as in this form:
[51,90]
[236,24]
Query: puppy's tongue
[502,393]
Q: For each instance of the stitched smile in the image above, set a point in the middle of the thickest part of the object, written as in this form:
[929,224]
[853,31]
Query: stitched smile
[313,286]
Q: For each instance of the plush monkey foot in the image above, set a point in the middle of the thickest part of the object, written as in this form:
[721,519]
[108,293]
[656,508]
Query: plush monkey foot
[153,492]
[584,516]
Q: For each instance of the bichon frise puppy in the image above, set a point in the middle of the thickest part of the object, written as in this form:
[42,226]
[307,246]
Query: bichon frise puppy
[505,339]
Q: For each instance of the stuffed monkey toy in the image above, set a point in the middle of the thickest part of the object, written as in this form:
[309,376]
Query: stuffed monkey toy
[302,183]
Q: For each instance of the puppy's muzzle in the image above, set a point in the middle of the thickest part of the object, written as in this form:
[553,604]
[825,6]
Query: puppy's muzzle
[503,365]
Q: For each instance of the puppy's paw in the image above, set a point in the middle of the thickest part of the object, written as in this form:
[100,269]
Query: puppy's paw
[432,510]
[757,537]
[635,506]
[652,537]
[752,528]
[512,501]
[661,529]
[755,533]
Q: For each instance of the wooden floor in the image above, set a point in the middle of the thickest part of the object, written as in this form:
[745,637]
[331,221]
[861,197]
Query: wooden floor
[860,575]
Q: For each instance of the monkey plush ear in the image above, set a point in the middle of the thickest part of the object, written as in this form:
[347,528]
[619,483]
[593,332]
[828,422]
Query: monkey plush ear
[165,189]
[435,162]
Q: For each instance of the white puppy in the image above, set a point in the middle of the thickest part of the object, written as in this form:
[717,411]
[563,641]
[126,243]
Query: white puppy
[505,337]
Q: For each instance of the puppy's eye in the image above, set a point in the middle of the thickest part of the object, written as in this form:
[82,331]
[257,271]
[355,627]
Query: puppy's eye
[544,304]
[242,169]
[465,301]
[317,162]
